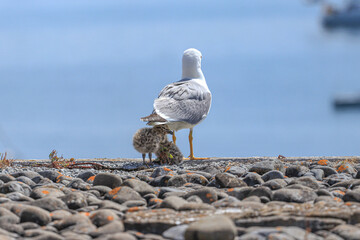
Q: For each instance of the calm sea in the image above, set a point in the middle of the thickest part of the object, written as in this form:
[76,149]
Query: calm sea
[76,76]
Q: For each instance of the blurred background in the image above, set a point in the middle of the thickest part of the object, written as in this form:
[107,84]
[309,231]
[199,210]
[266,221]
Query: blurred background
[76,76]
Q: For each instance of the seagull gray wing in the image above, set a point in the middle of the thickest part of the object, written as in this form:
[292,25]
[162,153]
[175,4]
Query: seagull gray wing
[185,101]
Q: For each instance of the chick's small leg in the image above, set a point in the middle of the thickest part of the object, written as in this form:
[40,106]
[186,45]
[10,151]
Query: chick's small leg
[144,156]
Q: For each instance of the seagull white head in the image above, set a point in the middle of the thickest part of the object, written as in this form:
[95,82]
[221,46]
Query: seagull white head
[191,64]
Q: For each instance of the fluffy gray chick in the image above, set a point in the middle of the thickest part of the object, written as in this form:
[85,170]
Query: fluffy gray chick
[169,153]
[147,140]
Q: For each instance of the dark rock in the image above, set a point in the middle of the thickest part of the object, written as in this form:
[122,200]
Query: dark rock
[252,179]
[15,228]
[274,174]
[36,215]
[264,199]
[338,178]
[318,174]
[323,192]
[81,228]
[28,174]
[226,180]
[173,202]
[26,180]
[85,175]
[139,186]
[42,182]
[108,179]
[41,192]
[123,194]
[72,220]
[295,170]
[348,232]
[102,217]
[327,170]
[294,195]
[109,228]
[14,186]
[239,193]
[237,171]
[144,178]
[87,209]
[352,196]
[18,197]
[213,170]
[275,184]
[160,181]
[266,166]
[78,183]
[6,178]
[74,200]
[196,178]
[165,190]
[261,192]
[161,171]
[306,181]
[211,228]
[59,214]
[207,195]
[101,189]
[49,203]
[52,175]
[14,207]
[29,225]
[177,181]
[355,217]
[10,217]
[345,184]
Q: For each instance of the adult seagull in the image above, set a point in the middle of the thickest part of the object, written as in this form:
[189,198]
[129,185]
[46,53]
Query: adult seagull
[185,103]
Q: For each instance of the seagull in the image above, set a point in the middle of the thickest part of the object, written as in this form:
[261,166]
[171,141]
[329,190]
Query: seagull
[185,103]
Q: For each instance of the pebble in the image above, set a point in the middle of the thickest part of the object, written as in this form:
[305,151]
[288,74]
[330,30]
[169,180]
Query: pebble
[36,215]
[272,199]
[107,179]
[211,228]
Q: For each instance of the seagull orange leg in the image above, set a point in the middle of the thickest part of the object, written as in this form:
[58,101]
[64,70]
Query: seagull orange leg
[174,138]
[191,157]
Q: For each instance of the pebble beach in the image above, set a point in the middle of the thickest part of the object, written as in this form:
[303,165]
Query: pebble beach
[221,198]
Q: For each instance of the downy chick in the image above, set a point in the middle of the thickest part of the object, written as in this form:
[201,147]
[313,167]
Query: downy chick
[147,140]
[169,153]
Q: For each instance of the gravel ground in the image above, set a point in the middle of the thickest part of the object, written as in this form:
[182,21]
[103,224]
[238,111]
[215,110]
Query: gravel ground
[220,198]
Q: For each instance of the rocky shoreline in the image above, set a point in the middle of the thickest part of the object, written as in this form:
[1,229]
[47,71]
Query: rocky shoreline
[220,198]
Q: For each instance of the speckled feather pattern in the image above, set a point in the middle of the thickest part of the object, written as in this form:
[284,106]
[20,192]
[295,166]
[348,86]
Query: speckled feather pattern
[147,140]
[169,153]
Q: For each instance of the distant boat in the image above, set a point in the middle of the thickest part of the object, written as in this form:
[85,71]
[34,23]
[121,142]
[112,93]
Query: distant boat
[347,100]
[349,16]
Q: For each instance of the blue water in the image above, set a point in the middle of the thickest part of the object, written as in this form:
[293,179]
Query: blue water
[76,76]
